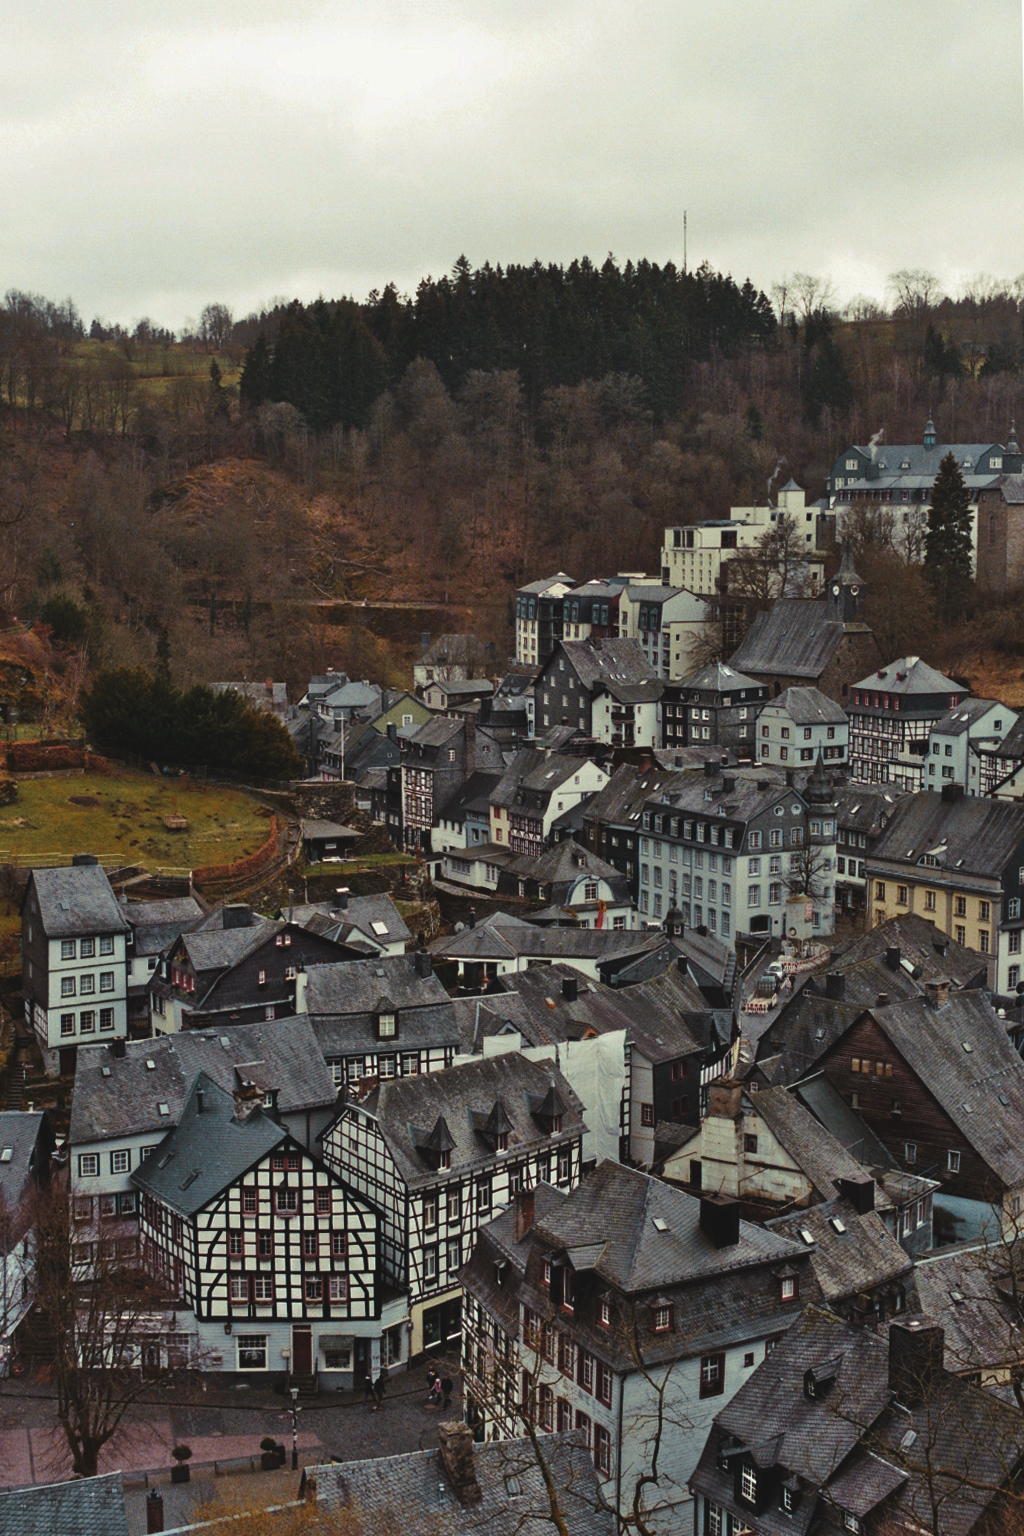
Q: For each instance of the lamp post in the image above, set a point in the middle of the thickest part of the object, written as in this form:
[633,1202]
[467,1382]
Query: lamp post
[296,1410]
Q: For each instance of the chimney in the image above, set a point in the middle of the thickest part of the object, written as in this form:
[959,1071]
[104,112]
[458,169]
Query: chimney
[269,686]
[720,1220]
[301,982]
[200,1101]
[522,1214]
[952,791]
[455,1448]
[570,989]
[154,1513]
[118,1049]
[247,1099]
[291,905]
[835,986]
[936,993]
[724,1100]
[392,731]
[710,770]
[424,640]
[882,1000]
[424,967]
[237,915]
[789,779]
[729,784]
[860,1191]
[915,1361]
[471,919]
[341,898]
[892,958]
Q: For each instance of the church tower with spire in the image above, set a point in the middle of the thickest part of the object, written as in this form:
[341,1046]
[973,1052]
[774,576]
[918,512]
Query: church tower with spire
[845,591]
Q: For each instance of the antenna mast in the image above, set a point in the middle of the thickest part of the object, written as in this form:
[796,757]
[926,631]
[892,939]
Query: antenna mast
[684,242]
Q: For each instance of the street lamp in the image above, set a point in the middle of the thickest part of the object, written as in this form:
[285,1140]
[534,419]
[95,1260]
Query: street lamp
[296,1410]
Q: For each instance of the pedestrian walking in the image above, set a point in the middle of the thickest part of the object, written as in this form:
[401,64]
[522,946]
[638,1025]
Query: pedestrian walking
[434,1395]
[447,1388]
[368,1393]
[380,1388]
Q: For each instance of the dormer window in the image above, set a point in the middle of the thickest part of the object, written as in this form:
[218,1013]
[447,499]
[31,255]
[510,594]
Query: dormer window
[604,1312]
[663,1319]
[748,1483]
[789,1287]
[568,1289]
[788,1496]
[501,1142]
[851,1523]
[387,1024]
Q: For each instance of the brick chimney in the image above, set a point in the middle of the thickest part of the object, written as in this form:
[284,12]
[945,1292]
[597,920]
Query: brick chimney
[936,993]
[522,1214]
[835,986]
[860,1191]
[892,958]
[455,1447]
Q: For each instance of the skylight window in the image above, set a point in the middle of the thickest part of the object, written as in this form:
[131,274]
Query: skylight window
[660,1225]
[807,1236]
[379,929]
[163,1109]
[837,1224]
[150,1065]
[6,1154]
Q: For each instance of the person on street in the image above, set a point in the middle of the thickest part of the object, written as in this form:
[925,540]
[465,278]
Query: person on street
[368,1392]
[434,1395]
[380,1388]
[447,1388]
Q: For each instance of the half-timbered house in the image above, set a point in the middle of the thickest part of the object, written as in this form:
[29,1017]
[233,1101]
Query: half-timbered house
[385,1017]
[130,1094]
[440,1154]
[274,1256]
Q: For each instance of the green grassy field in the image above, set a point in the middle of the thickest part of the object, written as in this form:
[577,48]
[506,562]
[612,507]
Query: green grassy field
[122,822]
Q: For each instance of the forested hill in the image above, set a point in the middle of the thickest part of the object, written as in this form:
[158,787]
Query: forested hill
[554,325]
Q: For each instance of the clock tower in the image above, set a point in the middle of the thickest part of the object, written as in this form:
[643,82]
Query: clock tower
[845,592]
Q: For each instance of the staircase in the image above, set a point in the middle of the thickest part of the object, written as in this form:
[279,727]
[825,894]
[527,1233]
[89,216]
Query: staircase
[308,1383]
[16,1085]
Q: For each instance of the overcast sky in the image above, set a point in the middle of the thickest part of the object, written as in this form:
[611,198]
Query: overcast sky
[159,156]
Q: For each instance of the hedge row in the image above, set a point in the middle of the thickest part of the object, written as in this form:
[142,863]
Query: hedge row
[33,757]
[247,866]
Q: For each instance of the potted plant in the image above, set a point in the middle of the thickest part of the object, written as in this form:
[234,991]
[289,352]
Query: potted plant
[269,1459]
[180,1472]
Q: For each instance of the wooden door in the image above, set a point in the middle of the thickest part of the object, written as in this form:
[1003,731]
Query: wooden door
[302,1350]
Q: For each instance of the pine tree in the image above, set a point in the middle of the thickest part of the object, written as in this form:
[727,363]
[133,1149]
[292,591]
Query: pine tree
[947,558]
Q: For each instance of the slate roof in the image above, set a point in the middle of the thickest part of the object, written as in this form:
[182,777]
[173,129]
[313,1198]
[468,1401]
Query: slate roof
[564,864]
[961,1290]
[620,802]
[217,949]
[970,836]
[76,900]
[794,638]
[654,1017]
[864,808]
[961,720]
[1012,487]
[19,1131]
[535,770]
[813,1148]
[615,1209]
[508,940]
[980,1088]
[343,1001]
[436,732]
[468,687]
[89,1506]
[473,795]
[906,676]
[120,1096]
[611,664]
[716,677]
[207,1150]
[514,1502]
[754,791]
[861,1257]
[464,1097]
[808,706]
[828,1106]
[545,585]
[920,943]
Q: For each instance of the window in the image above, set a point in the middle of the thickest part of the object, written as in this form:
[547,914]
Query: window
[87,985]
[252,1351]
[604,1312]
[236,1245]
[88,1166]
[248,1202]
[953,1162]
[901,895]
[107,944]
[748,1483]
[262,1288]
[960,934]
[1013,907]
[314,1288]
[67,949]
[265,1245]
[604,1383]
[602,1450]
[310,1245]
[386,1026]
[983,939]
[960,906]
[120,1162]
[106,981]
[584,1428]
[712,1375]
[106,1018]
[430,1265]
[789,1287]
[454,1205]
[238,1288]
[67,1023]
[338,1288]
[323,1202]
[430,1213]
[454,1255]
[483,1195]
[647,1114]
[929,901]
[67,986]
[287,1200]
[87,1021]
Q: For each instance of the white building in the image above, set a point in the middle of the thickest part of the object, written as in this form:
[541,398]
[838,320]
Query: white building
[692,555]
[958,739]
[801,722]
[628,1312]
[74,946]
[666,622]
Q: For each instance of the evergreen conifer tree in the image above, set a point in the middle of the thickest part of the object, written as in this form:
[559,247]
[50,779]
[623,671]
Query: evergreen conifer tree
[947,558]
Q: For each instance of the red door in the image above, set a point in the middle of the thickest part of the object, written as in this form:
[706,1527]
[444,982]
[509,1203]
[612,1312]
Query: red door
[302,1350]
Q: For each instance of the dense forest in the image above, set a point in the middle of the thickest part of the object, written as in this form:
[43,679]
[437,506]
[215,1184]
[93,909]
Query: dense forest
[439,448]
